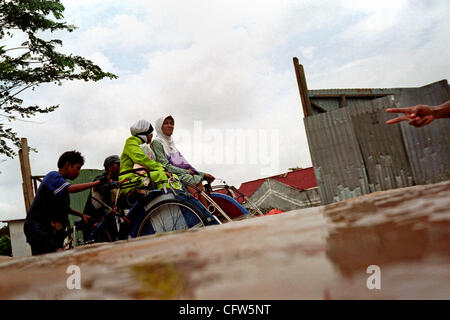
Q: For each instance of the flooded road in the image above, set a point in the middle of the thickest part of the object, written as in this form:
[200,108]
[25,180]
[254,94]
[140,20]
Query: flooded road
[387,245]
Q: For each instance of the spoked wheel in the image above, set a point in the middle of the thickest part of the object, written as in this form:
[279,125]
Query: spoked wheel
[170,215]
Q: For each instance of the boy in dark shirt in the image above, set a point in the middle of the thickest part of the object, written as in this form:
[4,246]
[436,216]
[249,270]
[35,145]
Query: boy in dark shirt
[47,217]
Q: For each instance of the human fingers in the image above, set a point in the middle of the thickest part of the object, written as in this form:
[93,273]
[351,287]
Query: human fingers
[420,122]
[398,110]
[428,121]
[398,119]
[415,119]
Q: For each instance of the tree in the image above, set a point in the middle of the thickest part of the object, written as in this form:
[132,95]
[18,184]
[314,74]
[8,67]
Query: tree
[34,61]
[5,246]
[5,242]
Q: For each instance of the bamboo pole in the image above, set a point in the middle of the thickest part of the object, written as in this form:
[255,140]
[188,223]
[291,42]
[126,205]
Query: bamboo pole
[27,184]
[302,88]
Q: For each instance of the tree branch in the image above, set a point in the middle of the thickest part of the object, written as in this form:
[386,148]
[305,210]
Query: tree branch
[10,97]
[16,48]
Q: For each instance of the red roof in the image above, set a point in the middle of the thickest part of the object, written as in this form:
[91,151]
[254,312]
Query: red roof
[300,179]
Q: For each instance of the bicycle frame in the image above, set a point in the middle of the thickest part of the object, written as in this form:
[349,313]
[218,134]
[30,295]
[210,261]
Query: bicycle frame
[232,191]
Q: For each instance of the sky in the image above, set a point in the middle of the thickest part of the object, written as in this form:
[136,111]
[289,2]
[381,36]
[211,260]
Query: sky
[224,71]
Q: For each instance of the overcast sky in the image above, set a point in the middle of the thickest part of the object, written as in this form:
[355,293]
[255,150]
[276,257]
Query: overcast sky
[224,70]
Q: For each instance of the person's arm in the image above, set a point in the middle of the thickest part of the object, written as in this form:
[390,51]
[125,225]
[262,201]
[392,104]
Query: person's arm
[162,158]
[208,177]
[82,186]
[138,156]
[85,217]
[442,110]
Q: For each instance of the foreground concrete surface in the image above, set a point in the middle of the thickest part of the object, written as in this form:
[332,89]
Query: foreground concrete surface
[315,253]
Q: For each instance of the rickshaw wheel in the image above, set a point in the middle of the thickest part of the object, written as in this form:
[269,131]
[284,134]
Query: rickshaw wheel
[170,215]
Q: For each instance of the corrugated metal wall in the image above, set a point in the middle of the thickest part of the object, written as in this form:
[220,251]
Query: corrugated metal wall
[336,157]
[78,200]
[354,152]
[428,148]
[381,146]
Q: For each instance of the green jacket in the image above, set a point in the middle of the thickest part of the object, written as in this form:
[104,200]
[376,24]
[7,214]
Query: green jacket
[132,153]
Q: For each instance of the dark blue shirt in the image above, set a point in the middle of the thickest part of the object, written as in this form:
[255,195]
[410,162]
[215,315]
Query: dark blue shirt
[52,201]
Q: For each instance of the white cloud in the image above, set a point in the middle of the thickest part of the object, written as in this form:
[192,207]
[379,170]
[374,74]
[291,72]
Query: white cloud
[120,32]
[228,65]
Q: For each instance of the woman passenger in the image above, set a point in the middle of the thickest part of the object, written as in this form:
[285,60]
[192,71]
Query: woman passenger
[132,154]
[168,155]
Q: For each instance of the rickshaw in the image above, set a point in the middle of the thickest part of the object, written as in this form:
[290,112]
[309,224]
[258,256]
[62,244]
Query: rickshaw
[150,210]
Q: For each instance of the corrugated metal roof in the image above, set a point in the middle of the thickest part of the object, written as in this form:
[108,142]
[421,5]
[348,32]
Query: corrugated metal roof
[353,91]
[274,194]
[300,179]
[325,100]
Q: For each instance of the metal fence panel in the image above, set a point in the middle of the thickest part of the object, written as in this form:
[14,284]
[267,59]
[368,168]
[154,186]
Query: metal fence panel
[337,160]
[428,147]
[354,152]
[382,148]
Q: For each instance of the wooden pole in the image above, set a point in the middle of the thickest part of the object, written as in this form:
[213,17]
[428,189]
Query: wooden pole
[303,88]
[25,167]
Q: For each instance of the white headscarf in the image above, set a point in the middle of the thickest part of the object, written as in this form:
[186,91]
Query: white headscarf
[174,156]
[141,129]
[166,141]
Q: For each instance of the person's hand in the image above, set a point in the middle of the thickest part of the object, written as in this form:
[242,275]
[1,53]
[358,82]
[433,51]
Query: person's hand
[105,180]
[57,226]
[112,185]
[86,218]
[209,177]
[418,116]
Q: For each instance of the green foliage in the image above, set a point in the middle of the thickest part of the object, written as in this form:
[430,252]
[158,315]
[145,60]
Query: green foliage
[4,231]
[5,242]
[5,246]
[34,61]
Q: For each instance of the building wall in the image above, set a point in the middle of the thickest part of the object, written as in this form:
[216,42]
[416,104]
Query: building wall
[273,194]
[354,152]
[19,245]
[301,179]
[78,200]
